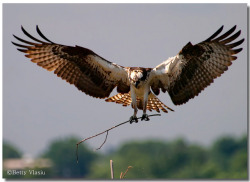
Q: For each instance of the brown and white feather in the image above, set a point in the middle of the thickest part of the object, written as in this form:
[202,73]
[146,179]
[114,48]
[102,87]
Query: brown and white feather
[153,102]
[184,76]
[195,66]
[80,66]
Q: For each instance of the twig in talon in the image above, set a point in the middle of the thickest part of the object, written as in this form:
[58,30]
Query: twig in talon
[106,135]
[104,141]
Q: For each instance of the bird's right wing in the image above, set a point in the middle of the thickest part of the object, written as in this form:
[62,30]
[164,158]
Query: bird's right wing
[196,66]
[80,66]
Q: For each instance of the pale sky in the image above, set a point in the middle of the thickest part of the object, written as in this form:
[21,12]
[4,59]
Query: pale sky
[39,107]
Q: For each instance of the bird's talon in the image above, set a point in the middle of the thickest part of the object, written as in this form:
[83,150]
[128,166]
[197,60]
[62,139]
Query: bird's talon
[145,117]
[133,119]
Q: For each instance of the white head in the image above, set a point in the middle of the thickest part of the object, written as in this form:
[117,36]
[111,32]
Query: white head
[138,76]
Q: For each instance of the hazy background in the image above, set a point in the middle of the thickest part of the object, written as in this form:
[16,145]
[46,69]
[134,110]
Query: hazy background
[38,106]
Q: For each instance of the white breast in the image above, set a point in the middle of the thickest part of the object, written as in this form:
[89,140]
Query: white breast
[140,92]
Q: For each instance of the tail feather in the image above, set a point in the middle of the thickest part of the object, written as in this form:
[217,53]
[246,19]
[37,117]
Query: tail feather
[123,99]
[153,102]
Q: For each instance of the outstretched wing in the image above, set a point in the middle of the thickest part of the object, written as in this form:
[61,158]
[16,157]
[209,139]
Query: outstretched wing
[82,67]
[195,66]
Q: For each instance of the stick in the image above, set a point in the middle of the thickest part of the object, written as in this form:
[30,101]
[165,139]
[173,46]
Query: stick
[122,176]
[112,169]
[104,141]
[106,134]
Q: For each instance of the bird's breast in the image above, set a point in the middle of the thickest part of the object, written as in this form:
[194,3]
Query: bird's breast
[140,91]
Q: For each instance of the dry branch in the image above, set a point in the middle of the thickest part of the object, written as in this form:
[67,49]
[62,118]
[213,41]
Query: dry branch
[111,169]
[122,176]
[106,131]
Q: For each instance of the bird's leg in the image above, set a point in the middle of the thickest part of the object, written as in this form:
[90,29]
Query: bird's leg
[145,102]
[144,116]
[134,105]
[134,117]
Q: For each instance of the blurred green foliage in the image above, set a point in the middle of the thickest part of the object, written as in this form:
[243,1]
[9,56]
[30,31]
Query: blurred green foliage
[226,158]
[62,153]
[10,151]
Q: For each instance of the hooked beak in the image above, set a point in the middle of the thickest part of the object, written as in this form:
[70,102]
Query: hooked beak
[136,84]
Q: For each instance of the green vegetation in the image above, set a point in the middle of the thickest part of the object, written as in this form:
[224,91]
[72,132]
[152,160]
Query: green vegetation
[226,159]
[9,151]
[155,159]
[63,155]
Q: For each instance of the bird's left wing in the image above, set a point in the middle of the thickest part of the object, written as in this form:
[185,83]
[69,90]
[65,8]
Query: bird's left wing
[196,66]
[80,66]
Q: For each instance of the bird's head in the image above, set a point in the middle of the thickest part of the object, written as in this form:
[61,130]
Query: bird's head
[137,77]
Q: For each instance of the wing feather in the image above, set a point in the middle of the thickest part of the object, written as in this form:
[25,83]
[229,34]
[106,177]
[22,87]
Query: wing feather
[196,66]
[229,32]
[80,66]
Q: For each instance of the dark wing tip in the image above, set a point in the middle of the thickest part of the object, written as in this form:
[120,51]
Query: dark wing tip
[233,28]
[23,29]
[33,38]
[235,44]
[236,51]
[19,45]
[225,35]
[221,28]
[215,34]
[41,34]
[22,50]
[225,40]
[24,41]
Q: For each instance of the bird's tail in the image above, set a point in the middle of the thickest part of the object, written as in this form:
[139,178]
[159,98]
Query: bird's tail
[123,99]
[153,102]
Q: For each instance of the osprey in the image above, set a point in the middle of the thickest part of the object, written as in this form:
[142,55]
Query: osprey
[183,76]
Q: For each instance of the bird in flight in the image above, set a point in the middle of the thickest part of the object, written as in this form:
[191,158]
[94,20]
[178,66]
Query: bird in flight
[183,76]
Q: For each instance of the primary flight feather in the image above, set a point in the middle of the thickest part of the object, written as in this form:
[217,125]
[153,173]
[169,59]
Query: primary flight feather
[183,76]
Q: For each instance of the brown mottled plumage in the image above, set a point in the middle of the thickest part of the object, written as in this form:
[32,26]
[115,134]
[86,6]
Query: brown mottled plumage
[184,76]
[73,65]
[153,102]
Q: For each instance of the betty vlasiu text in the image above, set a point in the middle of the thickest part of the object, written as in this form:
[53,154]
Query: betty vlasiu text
[15,172]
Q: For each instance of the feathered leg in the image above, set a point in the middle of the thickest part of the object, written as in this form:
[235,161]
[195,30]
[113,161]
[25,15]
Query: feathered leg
[145,102]
[134,105]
